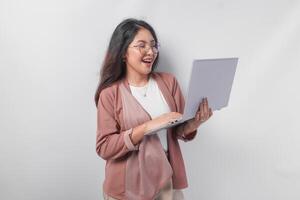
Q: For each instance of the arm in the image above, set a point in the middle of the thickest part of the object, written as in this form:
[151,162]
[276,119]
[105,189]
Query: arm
[111,143]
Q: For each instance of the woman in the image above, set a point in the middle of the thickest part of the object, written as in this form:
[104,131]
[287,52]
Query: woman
[132,100]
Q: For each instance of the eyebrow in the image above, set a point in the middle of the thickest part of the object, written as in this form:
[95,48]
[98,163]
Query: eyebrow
[145,41]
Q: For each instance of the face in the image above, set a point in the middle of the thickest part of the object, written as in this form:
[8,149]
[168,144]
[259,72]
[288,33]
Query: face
[140,56]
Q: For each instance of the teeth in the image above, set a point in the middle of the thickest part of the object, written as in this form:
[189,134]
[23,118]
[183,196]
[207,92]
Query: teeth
[147,60]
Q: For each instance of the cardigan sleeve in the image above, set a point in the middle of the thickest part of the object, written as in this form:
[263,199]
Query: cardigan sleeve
[111,143]
[179,100]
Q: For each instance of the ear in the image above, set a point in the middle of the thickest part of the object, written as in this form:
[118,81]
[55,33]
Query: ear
[124,57]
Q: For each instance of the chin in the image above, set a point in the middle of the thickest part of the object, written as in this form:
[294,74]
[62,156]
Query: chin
[148,71]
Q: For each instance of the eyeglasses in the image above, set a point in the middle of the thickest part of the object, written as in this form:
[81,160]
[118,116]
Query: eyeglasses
[144,48]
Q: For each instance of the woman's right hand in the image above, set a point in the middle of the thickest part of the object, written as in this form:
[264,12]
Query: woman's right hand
[161,120]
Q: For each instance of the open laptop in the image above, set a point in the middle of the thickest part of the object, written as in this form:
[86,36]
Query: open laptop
[211,78]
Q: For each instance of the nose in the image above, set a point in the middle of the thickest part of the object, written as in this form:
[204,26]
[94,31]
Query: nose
[149,49]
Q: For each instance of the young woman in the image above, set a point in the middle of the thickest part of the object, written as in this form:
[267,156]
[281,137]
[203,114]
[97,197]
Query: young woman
[132,99]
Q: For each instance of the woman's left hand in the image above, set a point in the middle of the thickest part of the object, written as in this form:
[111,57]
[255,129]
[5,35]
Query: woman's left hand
[202,115]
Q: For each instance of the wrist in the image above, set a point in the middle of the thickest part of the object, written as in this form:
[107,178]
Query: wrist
[190,126]
[145,127]
[137,134]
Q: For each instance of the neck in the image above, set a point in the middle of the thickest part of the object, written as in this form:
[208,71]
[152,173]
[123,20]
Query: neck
[136,79]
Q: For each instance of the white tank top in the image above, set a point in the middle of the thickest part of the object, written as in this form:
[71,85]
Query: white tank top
[153,101]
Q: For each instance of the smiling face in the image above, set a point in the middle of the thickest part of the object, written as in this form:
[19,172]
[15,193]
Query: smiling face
[140,56]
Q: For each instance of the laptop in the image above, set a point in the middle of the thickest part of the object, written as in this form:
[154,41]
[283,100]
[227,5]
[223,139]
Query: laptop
[211,78]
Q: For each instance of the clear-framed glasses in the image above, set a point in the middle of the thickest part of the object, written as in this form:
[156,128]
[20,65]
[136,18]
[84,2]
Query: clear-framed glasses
[144,48]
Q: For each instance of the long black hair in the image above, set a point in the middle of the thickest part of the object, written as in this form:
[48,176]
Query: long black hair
[114,67]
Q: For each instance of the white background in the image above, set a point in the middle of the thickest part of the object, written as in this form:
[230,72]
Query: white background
[50,57]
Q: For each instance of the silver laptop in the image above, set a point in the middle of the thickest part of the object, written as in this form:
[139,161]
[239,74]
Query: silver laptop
[211,78]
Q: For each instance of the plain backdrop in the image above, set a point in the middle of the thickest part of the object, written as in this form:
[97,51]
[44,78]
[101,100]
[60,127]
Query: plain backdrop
[50,58]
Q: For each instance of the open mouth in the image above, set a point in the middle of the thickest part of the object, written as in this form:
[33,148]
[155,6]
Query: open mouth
[147,61]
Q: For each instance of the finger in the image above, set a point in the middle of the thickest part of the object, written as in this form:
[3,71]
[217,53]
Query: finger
[210,112]
[202,108]
[205,109]
[208,108]
[207,102]
[202,112]
[197,116]
[199,106]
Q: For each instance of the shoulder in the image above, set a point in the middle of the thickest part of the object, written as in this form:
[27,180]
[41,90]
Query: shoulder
[109,94]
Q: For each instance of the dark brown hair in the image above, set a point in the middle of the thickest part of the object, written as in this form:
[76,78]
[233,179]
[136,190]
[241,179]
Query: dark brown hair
[113,67]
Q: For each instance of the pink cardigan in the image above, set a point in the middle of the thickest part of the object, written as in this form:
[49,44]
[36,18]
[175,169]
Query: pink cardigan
[126,164]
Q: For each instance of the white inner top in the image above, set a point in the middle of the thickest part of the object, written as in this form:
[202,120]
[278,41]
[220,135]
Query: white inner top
[153,101]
